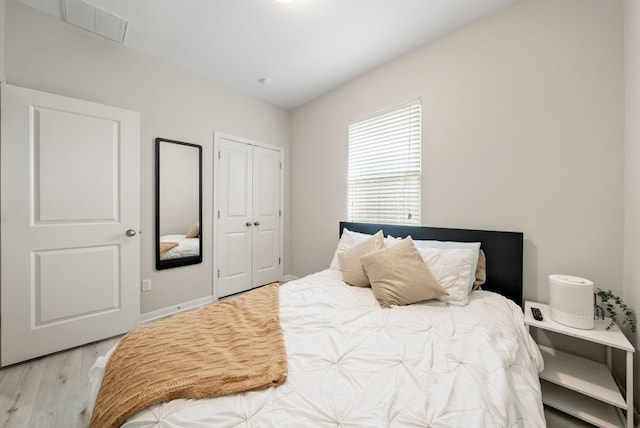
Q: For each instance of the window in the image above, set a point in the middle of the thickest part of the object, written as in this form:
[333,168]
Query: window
[385,167]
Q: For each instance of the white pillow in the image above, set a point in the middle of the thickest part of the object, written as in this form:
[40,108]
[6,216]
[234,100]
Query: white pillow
[474,246]
[347,240]
[452,267]
[390,241]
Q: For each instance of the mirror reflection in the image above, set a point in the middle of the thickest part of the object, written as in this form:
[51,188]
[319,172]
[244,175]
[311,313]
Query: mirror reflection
[178,203]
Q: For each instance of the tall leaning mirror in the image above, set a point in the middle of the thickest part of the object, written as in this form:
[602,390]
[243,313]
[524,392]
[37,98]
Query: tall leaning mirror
[178,203]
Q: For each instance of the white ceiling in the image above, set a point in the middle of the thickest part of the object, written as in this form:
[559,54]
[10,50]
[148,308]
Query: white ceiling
[305,47]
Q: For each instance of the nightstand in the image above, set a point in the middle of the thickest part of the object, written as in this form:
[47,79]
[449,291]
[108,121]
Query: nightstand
[580,387]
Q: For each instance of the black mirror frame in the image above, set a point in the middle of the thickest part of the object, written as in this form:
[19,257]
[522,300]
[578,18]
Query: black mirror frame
[183,261]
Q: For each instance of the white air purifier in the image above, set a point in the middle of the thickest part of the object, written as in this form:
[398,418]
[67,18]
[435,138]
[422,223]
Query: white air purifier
[571,301]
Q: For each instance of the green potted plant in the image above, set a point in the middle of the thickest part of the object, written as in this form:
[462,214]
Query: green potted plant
[612,304]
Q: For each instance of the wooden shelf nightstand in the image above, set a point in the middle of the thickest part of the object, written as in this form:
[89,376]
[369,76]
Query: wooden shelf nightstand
[583,388]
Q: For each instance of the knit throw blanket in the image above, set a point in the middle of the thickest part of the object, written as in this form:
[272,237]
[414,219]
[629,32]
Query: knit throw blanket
[232,346]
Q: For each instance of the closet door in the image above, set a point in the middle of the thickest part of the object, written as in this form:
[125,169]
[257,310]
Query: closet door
[70,218]
[248,231]
[233,238]
[266,216]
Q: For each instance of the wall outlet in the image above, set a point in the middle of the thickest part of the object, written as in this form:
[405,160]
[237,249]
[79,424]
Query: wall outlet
[146,285]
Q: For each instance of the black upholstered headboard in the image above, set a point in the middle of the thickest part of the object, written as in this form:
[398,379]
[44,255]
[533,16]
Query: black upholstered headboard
[502,249]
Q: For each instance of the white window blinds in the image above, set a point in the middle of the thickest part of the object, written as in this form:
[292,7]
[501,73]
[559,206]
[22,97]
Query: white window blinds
[385,167]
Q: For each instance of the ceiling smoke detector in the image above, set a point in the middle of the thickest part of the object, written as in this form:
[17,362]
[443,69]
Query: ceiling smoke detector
[265,81]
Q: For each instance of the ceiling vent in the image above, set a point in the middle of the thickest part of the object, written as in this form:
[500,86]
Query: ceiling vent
[94,19]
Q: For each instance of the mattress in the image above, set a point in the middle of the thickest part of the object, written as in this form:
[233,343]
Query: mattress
[352,363]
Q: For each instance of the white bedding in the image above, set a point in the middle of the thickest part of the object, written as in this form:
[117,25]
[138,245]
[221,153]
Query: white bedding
[354,364]
[187,247]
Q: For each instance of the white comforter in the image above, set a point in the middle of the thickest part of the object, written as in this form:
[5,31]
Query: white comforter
[353,364]
[187,247]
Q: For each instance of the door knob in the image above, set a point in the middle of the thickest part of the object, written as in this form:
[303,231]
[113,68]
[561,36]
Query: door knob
[131,232]
[257,223]
[248,224]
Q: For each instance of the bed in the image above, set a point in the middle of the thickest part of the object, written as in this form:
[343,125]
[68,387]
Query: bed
[351,362]
[178,246]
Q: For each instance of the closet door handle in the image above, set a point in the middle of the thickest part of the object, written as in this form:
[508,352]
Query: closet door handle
[130,233]
[248,224]
[257,223]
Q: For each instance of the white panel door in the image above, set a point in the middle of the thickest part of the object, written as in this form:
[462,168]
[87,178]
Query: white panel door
[69,194]
[234,225]
[249,215]
[266,216]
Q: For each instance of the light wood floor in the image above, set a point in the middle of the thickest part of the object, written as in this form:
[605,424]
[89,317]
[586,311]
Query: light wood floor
[51,391]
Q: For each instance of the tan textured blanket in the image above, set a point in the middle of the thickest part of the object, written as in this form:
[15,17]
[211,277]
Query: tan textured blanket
[232,346]
[166,246]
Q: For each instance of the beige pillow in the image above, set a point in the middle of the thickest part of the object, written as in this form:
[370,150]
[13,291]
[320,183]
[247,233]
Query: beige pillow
[347,240]
[481,271]
[399,276]
[194,231]
[350,266]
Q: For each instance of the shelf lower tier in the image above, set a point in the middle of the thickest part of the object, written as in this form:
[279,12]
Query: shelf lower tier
[581,375]
[580,406]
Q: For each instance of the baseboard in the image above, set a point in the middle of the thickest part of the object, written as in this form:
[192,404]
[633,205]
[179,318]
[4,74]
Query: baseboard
[287,278]
[176,309]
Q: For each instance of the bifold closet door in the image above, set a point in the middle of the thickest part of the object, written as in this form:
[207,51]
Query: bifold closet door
[266,216]
[248,223]
[70,256]
[234,222]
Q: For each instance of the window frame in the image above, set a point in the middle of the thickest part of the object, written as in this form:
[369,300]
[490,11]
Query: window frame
[384,168]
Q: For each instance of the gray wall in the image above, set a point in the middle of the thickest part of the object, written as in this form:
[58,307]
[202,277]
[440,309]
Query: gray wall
[2,9]
[46,54]
[523,130]
[632,169]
